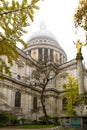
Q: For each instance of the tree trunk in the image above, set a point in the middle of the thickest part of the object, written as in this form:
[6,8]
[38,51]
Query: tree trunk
[43,106]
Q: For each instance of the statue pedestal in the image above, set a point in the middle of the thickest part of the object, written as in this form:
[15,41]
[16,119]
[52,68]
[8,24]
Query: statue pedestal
[80,73]
[79,57]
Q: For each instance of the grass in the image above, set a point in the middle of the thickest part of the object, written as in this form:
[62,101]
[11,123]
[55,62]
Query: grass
[30,126]
[37,126]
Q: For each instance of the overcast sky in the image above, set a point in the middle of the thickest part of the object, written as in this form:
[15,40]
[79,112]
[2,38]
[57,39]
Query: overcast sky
[58,17]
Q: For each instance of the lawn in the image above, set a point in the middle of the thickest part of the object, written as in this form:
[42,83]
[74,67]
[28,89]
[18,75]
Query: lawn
[30,127]
[37,126]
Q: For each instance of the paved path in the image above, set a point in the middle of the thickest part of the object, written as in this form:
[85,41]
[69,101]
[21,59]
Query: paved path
[55,128]
[26,129]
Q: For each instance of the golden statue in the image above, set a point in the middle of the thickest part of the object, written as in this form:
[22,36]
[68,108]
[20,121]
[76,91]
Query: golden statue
[78,46]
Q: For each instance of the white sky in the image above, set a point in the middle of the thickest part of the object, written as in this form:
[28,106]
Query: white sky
[58,17]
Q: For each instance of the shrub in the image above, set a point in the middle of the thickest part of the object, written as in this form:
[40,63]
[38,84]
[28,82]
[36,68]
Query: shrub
[25,121]
[42,120]
[8,119]
[35,122]
[55,120]
[2,124]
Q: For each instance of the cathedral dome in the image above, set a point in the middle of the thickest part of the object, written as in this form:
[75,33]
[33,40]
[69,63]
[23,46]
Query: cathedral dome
[44,34]
[43,45]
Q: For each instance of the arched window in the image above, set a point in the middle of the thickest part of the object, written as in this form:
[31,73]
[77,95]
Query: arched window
[35,103]
[64,102]
[17,99]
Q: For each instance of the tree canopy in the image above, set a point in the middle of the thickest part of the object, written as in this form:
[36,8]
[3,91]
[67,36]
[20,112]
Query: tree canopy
[80,17]
[71,93]
[14,17]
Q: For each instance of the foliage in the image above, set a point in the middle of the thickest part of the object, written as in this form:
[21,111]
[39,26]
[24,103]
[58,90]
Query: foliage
[80,16]
[82,98]
[25,121]
[71,92]
[14,17]
[8,118]
[2,124]
[43,118]
[81,102]
[56,120]
[52,120]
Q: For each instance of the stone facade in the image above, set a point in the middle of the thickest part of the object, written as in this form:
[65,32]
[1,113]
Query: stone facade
[17,94]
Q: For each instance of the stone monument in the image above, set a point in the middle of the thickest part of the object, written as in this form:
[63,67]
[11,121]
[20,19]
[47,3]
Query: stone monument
[80,73]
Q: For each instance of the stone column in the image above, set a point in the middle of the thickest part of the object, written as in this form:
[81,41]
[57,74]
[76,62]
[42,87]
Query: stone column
[80,73]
